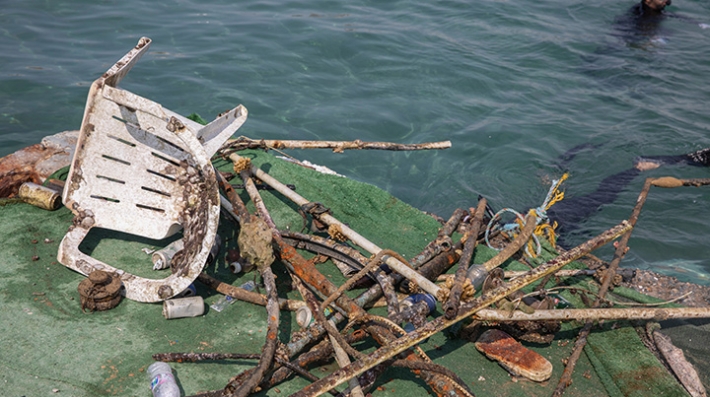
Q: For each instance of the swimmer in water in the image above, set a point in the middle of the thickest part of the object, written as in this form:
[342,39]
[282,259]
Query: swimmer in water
[570,212]
[640,26]
[650,6]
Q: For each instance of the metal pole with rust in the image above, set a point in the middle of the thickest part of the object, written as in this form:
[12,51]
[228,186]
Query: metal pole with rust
[627,313]
[337,146]
[451,306]
[308,274]
[667,182]
[369,246]
[437,325]
[257,236]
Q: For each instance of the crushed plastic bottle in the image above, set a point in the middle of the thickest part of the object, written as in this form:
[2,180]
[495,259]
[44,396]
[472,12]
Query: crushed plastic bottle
[162,381]
[227,300]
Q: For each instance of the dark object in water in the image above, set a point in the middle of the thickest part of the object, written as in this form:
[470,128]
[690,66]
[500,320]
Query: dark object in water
[570,212]
[652,6]
[640,25]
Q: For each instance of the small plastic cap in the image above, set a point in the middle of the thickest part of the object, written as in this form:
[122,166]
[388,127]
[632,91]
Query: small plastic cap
[235,267]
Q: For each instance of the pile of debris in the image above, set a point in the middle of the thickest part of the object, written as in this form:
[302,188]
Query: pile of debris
[144,170]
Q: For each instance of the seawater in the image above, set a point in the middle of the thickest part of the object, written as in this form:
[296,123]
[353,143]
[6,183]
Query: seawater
[513,85]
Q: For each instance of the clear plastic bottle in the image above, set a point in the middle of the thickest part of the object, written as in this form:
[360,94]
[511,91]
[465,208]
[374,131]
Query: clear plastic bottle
[249,285]
[162,382]
[227,300]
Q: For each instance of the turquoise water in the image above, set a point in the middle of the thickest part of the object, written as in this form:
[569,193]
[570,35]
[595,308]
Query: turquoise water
[512,85]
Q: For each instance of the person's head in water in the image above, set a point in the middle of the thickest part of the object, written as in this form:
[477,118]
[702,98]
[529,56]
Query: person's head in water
[655,5]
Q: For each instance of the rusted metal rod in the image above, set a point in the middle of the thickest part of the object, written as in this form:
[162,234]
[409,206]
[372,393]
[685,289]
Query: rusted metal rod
[667,182]
[566,377]
[236,204]
[432,269]
[452,223]
[440,323]
[516,273]
[272,305]
[244,295]
[337,146]
[195,357]
[634,313]
[442,242]
[451,306]
[328,219]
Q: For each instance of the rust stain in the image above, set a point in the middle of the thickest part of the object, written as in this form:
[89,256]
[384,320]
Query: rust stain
[639,379]
[113,373]
[19,167]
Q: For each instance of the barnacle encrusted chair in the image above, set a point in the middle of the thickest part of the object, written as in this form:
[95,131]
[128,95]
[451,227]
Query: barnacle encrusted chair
[144,170]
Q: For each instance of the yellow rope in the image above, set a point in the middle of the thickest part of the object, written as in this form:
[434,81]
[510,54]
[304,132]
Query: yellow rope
[557,195]
[544,229]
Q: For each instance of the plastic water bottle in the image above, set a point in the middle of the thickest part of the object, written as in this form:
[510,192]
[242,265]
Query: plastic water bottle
[162,382]
[227,300]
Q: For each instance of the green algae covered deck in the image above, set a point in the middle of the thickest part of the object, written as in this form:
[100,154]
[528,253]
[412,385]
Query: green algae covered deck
[49,347]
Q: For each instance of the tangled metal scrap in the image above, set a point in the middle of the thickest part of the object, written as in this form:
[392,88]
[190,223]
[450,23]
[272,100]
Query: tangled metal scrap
[134,155]
[342,322]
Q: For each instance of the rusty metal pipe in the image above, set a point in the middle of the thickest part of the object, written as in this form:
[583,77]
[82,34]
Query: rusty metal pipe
[369,246]
[403,343]
[451,306]
[666,182]
[435,267]
[272,305]
[478,273]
